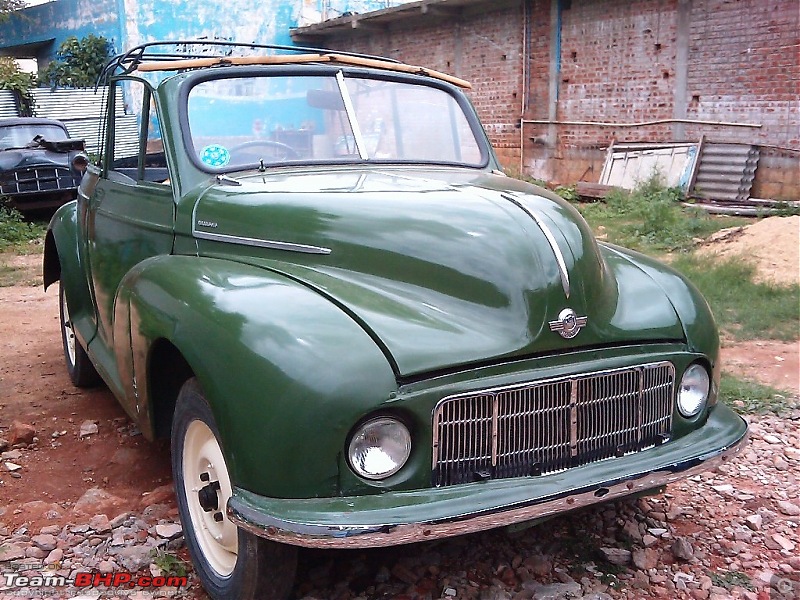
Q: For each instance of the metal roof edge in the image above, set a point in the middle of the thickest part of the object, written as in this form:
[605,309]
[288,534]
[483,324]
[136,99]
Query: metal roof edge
[381,18]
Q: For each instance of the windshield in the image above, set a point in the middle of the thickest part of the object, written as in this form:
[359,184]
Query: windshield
[19,136]
[241,122]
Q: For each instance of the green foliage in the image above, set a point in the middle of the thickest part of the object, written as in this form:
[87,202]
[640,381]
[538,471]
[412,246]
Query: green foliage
[731,579]
[748,397]
[786,209]
[743,309]
[9,6]
[20,83]
[169,564]
[78,62]
[650,217]
[14,230]
[569,193]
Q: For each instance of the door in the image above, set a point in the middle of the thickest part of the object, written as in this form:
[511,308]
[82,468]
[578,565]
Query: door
[128,218]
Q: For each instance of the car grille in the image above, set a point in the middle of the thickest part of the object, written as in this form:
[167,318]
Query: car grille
[548,426]
[37,179]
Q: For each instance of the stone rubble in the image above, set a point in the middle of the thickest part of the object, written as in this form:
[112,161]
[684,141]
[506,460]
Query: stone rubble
[732,533]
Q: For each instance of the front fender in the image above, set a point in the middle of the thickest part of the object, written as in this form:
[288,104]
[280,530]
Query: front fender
[287,374]
[698,323]
[63,261]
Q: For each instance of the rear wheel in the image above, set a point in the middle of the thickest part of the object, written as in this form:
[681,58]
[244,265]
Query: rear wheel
[80,368]
[231,563]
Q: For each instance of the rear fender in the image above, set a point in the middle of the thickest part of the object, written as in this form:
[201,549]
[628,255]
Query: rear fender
[63,261]
[287,374]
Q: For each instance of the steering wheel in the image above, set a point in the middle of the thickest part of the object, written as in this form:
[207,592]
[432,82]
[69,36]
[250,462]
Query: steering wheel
[275,151]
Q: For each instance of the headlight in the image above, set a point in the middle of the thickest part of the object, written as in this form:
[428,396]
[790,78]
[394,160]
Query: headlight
[79,162]
[693,393]
[379,448]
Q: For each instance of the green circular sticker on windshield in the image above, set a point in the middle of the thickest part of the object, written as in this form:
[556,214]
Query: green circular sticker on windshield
[215,155]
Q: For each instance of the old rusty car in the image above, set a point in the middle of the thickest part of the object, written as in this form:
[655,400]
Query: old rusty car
[314,278]
[40,165]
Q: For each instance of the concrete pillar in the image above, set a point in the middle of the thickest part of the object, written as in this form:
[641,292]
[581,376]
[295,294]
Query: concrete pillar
[680,98]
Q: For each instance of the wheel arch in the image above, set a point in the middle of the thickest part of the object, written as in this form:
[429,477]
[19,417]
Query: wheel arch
[167,371]
[266,368]
[51,263]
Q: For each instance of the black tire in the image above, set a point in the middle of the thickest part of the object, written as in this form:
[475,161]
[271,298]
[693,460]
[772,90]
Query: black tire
[237,565]
[80,368]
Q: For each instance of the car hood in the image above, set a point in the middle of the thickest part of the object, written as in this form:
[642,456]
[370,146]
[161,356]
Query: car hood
[444,268]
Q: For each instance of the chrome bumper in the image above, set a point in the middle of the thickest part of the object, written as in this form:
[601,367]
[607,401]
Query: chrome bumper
[341,529]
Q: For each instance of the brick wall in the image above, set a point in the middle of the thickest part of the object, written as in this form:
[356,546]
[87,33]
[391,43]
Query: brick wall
[621,61]
[744,65]
[484,48]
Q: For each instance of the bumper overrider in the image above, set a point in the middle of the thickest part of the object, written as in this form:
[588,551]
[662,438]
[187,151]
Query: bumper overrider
[405,517]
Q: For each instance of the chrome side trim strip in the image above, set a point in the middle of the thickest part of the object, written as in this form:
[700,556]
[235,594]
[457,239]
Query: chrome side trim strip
[312,535]
[246,241]
[562,265]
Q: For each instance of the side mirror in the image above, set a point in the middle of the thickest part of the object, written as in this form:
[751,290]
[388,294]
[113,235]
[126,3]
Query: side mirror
[324,99]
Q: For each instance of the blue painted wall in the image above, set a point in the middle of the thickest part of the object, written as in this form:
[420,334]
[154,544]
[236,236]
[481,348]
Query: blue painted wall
[127,23]
[47,25]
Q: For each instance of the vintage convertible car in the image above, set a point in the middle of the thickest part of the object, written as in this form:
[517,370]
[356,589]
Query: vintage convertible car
[40,166]
[355,329]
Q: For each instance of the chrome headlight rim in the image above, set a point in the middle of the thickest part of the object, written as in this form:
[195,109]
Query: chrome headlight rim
[694,391]
[359,440]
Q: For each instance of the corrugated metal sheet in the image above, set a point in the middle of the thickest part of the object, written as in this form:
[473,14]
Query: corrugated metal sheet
[726,172]
[8,107]
[66,104]
[81,111]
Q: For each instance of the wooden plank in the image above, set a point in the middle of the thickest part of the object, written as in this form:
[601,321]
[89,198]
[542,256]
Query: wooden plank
[288,59]
[594,191]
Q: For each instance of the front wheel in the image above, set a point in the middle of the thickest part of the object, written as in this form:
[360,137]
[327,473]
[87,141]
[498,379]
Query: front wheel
[80,368]
[230,562]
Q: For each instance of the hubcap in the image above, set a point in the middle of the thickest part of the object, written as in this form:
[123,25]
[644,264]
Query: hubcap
[207,488]
[69,333]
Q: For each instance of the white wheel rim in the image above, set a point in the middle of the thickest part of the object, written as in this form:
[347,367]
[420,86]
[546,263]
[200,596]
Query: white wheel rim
[203,466]
[69,332]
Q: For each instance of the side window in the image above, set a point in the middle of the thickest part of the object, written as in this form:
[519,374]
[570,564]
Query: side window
[137,151]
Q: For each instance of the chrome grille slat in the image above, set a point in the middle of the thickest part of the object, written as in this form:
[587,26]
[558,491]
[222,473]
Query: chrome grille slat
[547,426]
[38,179]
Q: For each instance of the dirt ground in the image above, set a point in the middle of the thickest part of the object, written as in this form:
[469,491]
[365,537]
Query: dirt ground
[35,389]
[772,244]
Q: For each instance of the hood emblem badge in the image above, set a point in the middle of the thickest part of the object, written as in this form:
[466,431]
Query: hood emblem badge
[568,324]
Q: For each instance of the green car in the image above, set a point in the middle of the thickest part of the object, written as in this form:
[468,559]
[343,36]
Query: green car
[310,273]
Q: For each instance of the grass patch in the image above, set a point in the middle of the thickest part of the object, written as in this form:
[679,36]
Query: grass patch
[15,232]
[170,564]
[10,275]
[748,397]
[18,271]
[651,218]
[744,310]
[731,579]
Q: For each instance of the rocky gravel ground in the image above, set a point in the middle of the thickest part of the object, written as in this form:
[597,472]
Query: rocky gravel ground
[732,533]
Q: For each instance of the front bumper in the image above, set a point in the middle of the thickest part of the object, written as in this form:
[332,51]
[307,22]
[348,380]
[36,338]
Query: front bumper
[406,517]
